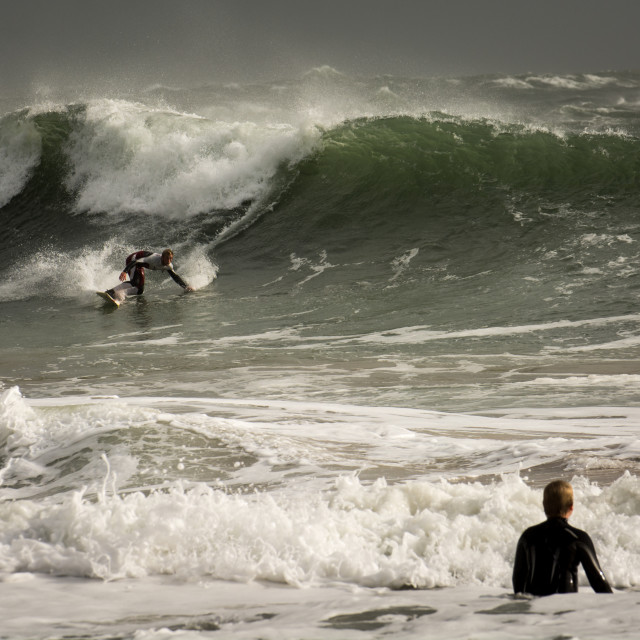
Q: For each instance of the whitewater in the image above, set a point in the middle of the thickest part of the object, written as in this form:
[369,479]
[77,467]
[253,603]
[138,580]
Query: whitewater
[416,303]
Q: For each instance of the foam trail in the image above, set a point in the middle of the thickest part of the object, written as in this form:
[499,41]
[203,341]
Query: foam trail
[408,335]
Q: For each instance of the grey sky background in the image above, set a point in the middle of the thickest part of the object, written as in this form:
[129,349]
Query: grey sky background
[194,41]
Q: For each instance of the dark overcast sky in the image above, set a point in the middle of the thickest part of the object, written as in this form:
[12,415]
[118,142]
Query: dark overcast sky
[190,41]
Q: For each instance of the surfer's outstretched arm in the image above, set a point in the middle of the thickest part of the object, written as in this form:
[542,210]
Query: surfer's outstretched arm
[179,280]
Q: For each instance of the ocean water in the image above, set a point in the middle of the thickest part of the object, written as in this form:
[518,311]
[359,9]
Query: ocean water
[416,302]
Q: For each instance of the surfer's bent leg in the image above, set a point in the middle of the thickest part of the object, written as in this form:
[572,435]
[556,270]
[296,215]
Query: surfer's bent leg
[137,280]
[133,287]
[122,291]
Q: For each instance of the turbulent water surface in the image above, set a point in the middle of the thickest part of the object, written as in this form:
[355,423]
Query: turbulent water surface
[416,302]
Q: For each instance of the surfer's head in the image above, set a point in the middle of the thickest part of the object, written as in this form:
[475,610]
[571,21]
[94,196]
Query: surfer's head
[557,499]
[167,257]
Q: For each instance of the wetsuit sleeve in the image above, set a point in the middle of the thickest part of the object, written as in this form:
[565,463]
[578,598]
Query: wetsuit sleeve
[135,260]
[177,278]
[137,263]
[591,566]
[520,567]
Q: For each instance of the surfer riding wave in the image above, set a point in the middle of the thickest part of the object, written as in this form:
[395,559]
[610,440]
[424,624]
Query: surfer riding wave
[135,264]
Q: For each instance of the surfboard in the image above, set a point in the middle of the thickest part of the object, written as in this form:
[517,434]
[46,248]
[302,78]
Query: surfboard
[107,298]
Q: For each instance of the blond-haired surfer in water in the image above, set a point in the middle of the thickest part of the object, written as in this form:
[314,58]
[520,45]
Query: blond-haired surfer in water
[135,264]
[548,554]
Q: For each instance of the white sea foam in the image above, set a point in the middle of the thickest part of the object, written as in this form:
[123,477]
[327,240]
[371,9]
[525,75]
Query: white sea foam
[315,267]
[127,157]
[573,82]
[294,335]
[313,521]
[603,239]
[417,533]
[401,263]
[591,380]
[416,334]
[163,608]
[613,345]
[512,83]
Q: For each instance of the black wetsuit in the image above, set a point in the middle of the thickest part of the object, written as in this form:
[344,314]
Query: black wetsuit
[547,559]
[134,268]
[136,263]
